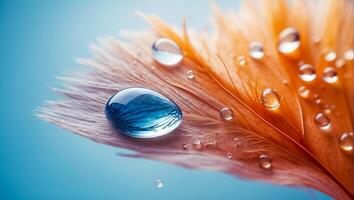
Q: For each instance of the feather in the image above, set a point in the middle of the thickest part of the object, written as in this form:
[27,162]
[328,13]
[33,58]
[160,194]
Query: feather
[301,154]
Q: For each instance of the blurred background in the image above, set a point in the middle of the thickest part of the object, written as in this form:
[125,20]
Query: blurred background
[40,40]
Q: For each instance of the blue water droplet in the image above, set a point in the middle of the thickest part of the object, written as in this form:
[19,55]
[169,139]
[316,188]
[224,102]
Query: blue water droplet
[143,113]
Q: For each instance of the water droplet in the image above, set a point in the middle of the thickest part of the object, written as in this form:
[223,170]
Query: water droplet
[185,146]
[229,155]
[237,142]
[346,142]
[197,144]
[285,82]
[241,60]
[270,99]
[322,121]
[327,109]
[330,56]
[166,52]
[265,162]
[256,50]
[340,63]
[289,40]
[190,74]
[307,72]
[317,99]
[349,54]
[226,114]
[330,75]
[159,183]
[142,113]
[304,92]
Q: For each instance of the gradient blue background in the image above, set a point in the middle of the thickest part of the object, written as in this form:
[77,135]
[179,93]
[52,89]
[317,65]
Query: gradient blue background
[39,40]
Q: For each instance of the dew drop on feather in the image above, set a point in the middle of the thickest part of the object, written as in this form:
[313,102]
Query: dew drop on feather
[166,52]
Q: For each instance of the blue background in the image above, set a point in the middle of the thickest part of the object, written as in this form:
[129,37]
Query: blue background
[39,40]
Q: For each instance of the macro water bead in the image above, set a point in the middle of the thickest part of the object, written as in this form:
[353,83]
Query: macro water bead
[166,52]
[143,113]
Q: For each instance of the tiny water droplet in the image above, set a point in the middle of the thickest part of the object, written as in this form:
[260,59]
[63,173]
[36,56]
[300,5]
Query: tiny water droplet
[142,113]
[327,109]
[226,114]
[185,146]
[265,162]
[241,60]
[322,121]
[159,183]
[237,142]
[340,63]
[190,74]
[256,50]
[317,99]
[330,56]
[304,92]
[330,75]
[307,72]
[166,52]
[346,142]
[285,82]
[349,54]
[289,40]
[229,155]
[197,144]
[270,99]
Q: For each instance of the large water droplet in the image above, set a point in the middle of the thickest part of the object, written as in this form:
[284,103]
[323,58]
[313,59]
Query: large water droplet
[166,52]
[307,72]
[270,99]
[142,113]
[289,40]
[226,114]
[322,121]
[349,54]
[256,50]
[304,92]
[330,75]
[346,142]
[159,183]
[265,162]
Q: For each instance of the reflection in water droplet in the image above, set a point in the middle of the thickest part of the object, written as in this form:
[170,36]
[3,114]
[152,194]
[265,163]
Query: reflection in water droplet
[190,74]
[226,114]
[270,99]
[340,63]
[349,54]
[229,155]
[330,75]
[322,121]
[256,50]
[330,56]
[289,40]
[241,60]
[265,162]
[346,142]
[307,72]
[159,183]
[185,146]
[197,144]
[142,113]
[304,92]
[166,52]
